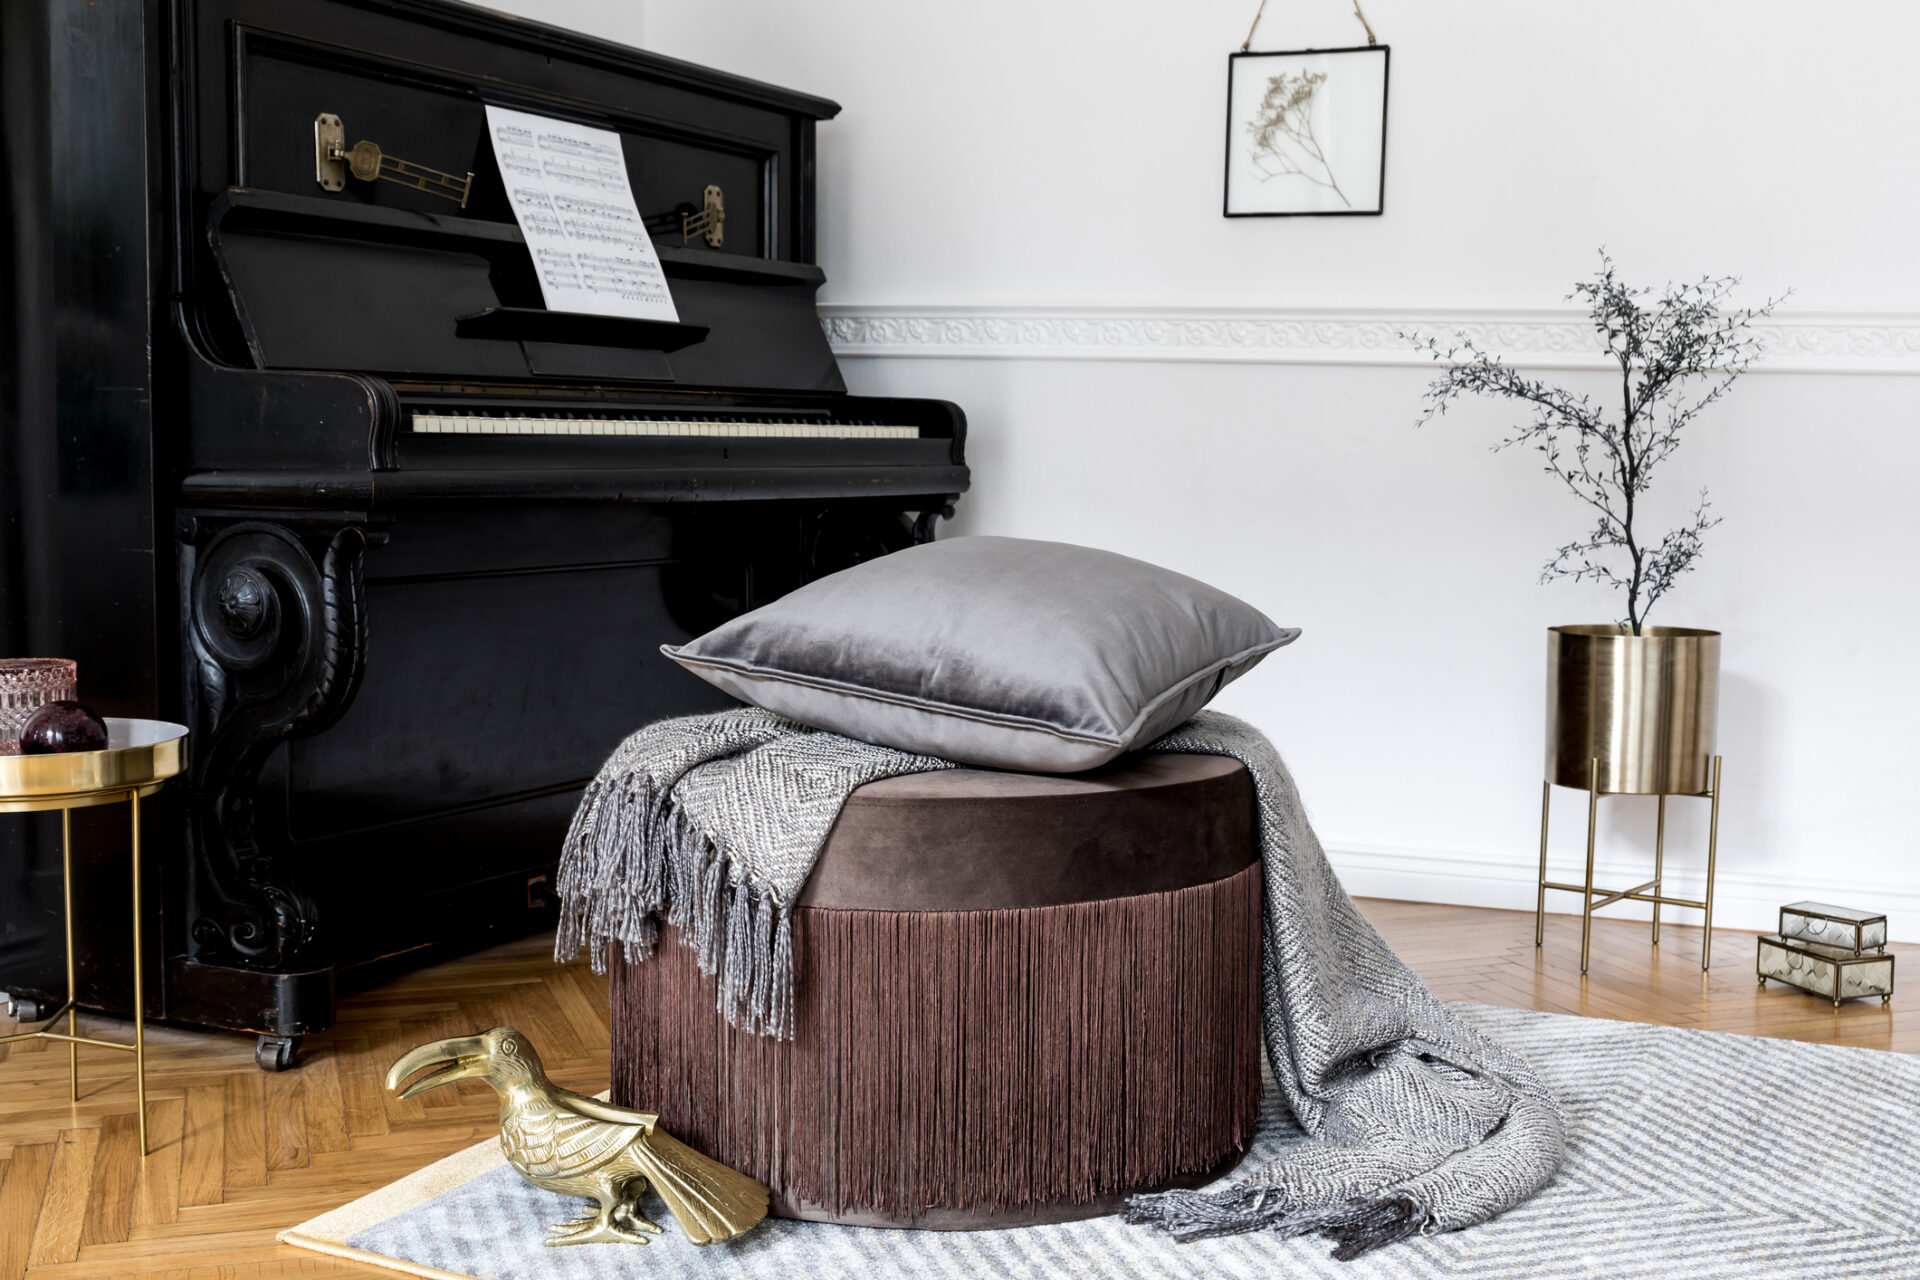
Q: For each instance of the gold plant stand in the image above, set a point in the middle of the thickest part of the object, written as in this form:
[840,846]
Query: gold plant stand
[139,758]
[1631,715]
[1594,898]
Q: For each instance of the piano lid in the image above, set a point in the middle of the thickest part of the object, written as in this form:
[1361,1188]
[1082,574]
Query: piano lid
[303,249]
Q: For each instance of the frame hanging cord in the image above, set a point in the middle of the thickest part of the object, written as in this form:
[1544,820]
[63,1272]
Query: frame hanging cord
[1247,44]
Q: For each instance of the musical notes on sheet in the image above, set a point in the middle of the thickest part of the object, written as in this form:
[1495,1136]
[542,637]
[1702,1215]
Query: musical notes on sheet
[568,186]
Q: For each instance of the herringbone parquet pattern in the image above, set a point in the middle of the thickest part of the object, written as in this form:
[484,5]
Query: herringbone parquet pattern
[239,1154]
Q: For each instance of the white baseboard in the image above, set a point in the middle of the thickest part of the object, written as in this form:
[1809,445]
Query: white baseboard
[1742,900]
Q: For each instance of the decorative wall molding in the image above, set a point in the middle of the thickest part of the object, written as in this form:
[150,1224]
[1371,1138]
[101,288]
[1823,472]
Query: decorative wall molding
[1798,342]
[1742,899]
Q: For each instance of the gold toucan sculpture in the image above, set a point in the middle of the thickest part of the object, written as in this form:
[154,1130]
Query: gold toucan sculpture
[579,1146]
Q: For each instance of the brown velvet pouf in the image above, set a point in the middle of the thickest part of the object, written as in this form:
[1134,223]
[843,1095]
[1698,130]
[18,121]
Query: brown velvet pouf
[1019,999]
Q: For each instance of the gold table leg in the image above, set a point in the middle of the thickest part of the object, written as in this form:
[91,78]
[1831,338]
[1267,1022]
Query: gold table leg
[1540,908]
[66,887]
[1659,858]
[73,1037]
[1586,899]
[139,992]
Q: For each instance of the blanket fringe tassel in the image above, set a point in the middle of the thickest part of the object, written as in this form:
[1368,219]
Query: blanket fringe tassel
[631,860]
[1355,1226]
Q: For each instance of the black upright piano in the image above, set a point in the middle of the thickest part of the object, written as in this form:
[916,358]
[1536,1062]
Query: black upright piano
[294,454]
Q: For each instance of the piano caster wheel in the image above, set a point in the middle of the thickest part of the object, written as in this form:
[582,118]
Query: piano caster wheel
[276,1053]
[24,1009]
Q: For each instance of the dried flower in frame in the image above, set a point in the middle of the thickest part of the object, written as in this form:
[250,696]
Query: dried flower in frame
[1284,144]
[1306,133]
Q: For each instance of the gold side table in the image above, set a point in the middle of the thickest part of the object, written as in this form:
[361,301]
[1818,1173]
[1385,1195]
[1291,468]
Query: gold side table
[139,758]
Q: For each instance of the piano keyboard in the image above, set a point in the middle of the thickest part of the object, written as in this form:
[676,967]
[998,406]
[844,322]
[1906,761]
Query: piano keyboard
[593,425]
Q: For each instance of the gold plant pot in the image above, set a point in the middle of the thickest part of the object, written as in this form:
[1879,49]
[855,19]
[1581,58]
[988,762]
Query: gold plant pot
[1643,706]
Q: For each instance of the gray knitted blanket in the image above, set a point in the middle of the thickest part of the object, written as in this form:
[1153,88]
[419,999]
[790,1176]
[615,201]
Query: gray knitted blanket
[1421,1123]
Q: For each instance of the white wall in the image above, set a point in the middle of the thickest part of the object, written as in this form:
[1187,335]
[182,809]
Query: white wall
[1069,151]
[1020,207]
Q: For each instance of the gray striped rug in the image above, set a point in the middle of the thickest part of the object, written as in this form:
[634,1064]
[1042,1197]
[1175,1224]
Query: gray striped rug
[1692,1156]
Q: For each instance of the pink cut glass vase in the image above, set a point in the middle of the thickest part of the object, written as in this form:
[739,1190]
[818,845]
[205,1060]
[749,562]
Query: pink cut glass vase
[26,685]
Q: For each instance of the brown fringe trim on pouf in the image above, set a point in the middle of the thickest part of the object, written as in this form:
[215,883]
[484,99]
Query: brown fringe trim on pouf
[960,1069]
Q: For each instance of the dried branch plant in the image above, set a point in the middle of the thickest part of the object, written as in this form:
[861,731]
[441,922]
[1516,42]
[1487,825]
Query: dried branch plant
[1282,131]
[1677,354]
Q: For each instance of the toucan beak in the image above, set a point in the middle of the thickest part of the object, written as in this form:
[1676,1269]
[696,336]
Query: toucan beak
[459,1058]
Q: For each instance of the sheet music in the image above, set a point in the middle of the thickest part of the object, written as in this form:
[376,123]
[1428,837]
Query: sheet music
[568,186]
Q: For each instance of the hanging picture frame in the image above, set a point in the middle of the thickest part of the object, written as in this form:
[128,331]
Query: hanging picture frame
[1307,133]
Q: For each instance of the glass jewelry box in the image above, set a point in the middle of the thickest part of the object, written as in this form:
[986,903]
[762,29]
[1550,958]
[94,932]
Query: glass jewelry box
[1832,926]
[1837,973]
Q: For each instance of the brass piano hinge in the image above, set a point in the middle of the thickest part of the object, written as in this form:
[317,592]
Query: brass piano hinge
[710,223]
[333,160]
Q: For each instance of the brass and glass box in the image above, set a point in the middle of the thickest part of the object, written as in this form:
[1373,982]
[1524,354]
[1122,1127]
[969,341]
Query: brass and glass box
[1832,926]
[1836,973]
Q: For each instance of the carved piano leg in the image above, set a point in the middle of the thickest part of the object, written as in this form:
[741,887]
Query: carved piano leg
[924,523]
[276,634]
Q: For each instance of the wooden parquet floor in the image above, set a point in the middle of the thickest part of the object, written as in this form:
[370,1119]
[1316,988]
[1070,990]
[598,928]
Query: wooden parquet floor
[239,1154]
[1470,953]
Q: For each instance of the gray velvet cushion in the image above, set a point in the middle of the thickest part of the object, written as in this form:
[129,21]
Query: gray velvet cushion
[1036,656]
